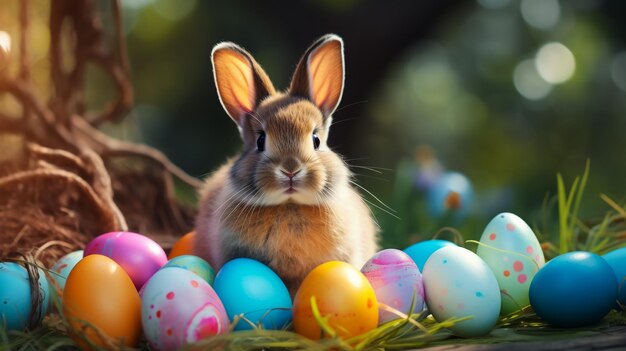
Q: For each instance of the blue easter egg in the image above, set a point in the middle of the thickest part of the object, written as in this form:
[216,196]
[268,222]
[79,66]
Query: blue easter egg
[574,290]
[249,287]
[15,297]
[420,252]
[194,264]
[451,193]
[617,260]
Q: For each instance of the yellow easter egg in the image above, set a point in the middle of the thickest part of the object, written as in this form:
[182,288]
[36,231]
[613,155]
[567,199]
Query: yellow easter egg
[184,246]
[343,295]
[101,304]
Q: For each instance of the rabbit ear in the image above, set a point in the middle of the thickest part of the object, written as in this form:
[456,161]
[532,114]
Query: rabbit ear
[320,74]
[241,82]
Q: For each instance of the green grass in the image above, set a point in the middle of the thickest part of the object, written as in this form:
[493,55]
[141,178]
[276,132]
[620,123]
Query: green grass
[575,234]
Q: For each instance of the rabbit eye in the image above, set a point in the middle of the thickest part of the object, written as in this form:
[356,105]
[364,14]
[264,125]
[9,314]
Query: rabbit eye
[260,142]
[316,141]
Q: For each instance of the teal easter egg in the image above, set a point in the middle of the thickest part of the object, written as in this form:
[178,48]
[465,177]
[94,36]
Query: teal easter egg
[575,289]
[420,252]
[617,260]
[63,267]
[513,253]
[250,288]
[194,264]
[16,308]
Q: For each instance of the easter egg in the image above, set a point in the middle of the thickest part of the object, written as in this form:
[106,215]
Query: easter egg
[343,296]
[184,246]
[180,308]
[250,288]
[458,283]
[16,308]
[194,264]
[139,255]
[62,269]
[396,281]
[574,290]
[420,252]
[451,193]
[512,250]
[100,302]
[617,260]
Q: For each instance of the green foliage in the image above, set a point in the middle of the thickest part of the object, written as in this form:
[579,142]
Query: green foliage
[568,216]
[576,234]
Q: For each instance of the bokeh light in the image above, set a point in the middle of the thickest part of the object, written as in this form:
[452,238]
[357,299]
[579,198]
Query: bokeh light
[493,4]
[541,14]
[529,82]
[555,63]
[618,70]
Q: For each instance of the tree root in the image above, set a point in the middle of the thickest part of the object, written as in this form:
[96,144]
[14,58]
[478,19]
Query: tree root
[71,182]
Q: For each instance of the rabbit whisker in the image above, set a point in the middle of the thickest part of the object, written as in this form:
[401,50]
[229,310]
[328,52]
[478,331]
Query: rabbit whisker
[227,202]
[366,168]
[351,104]
[249,202]
[382,209]
[342,120]
[372,195]
[370,177]
[371,168]
[240,202]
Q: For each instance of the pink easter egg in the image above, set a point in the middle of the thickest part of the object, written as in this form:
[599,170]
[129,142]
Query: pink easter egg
[396,281]
[137,254]
[179,308]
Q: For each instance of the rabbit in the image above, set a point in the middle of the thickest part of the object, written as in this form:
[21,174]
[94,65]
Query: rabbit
[286,199]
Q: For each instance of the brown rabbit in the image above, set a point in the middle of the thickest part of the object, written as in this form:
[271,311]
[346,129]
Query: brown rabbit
[286,200]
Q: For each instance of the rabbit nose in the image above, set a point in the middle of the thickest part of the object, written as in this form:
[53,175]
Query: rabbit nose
[291,167]
[290,174]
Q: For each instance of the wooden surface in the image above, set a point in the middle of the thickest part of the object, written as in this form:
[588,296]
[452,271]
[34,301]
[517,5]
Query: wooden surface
[608,339]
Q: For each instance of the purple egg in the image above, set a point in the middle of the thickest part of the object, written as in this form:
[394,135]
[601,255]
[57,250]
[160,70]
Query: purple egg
[139,255]
[396,281]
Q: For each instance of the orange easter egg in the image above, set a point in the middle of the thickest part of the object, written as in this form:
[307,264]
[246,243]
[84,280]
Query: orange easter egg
[184,246]
[342,294]
[101,304]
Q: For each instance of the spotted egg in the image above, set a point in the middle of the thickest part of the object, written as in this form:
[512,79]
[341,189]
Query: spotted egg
[459,284]
[513,253]
[397,283]
[178,308]
[61,270]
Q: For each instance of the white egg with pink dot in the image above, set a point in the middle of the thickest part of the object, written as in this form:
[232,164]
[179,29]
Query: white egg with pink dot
[512,250]
[459,284]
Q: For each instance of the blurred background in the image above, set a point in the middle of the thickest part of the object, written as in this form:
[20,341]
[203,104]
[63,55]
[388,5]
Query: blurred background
[505,92]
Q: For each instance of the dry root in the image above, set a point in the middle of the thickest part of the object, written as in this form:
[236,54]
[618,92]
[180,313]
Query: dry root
[69,182]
